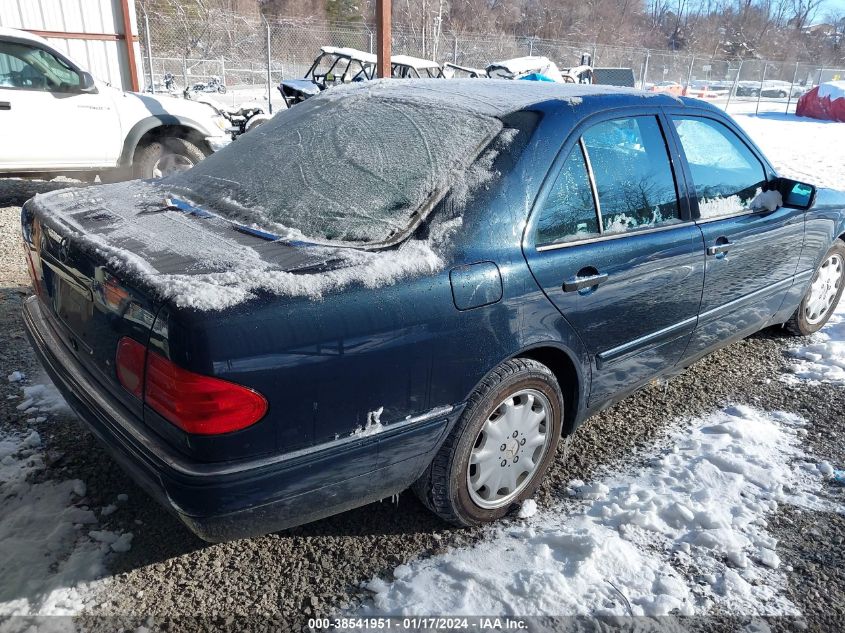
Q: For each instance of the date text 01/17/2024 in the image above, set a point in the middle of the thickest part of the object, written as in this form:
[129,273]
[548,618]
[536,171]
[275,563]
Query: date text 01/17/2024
[419,623]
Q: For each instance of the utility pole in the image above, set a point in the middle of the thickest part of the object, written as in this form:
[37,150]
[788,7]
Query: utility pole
[129,39]
[383,37]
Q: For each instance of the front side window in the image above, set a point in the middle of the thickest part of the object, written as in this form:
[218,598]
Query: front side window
[31,68]
[634,179]
[726,173]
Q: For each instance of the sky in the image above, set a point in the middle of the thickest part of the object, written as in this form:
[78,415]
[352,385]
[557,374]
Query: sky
[828,6]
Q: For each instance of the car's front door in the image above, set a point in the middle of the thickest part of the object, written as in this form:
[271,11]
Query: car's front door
[752,249]
[45,121]
[612,246]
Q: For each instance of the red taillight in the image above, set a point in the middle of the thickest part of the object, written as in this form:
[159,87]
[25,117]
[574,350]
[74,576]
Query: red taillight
[195,403]
[129,362]
[199,404]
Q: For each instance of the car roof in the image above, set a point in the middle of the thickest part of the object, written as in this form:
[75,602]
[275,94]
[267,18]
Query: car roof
[496,97]
[5,31]
[352,53]
[414,62]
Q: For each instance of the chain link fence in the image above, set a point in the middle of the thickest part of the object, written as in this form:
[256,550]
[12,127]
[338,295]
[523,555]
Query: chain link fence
[241,58]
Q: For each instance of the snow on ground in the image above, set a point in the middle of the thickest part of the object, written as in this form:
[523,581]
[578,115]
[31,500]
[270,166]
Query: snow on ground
[804,149]
[50,547]
[822,359]
[685,533]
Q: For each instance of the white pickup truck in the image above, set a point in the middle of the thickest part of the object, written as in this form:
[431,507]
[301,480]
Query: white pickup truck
[56,119]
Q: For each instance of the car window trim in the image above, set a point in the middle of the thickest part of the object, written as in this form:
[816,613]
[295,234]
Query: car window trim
[592,178]
[553,246]
[557,165]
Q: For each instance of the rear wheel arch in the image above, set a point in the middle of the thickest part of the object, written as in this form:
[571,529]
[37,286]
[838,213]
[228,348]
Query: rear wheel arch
[570,380]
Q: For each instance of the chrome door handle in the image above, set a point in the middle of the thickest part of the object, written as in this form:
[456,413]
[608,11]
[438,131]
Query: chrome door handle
[719,248]
[580,283]
[5,105]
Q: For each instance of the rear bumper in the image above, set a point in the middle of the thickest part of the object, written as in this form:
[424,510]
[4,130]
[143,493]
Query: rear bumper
[227,500]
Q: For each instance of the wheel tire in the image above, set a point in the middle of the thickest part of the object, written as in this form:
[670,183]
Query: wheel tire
[148,156]
[800,324]
[255,121]
[444,486]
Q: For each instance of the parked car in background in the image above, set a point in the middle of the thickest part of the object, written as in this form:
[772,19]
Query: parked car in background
[747,89]
[780,89]
[293,329]
[331,67]
[56,119]
[407,67]
[453,71]
[335,66]
[701,89]
[519,67]
[670,87]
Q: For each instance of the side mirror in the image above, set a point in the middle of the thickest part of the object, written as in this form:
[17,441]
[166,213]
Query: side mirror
[795,194]
[86,83]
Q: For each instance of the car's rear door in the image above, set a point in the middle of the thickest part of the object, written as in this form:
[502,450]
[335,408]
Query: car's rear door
[613,246]
[752,254]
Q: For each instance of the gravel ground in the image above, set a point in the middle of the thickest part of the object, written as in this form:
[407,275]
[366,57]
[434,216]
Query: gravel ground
[316,568]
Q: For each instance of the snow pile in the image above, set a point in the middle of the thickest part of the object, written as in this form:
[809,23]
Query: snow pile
[823,358]
[832,90]
[685,534]
[48,556]
[42,398]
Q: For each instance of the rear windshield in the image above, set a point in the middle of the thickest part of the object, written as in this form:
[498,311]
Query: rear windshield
[358,170]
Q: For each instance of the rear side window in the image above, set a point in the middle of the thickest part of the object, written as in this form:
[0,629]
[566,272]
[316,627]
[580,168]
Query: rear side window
[569,212]
[726,173]
[633,180]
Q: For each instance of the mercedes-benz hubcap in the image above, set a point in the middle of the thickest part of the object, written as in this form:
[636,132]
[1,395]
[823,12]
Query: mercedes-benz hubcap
[509,449]
[824,289]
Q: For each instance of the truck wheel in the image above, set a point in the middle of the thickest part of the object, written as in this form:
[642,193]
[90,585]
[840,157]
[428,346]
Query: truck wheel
[823,295]
[166,156]
[255,121]
[500,448]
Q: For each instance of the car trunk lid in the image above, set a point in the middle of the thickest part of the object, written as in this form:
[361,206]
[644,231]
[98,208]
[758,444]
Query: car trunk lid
[98,256]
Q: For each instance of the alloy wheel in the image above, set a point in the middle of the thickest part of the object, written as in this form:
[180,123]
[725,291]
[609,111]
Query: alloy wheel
[509,449]
[824,289]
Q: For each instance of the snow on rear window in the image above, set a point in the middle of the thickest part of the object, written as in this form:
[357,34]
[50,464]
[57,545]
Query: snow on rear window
[353,170]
